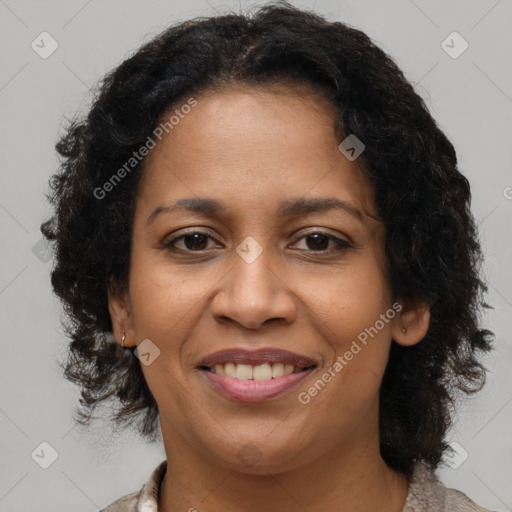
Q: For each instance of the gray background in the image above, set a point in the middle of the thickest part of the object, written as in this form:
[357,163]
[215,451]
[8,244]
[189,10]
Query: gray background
[470,96]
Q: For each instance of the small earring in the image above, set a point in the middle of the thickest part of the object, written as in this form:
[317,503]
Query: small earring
[123,338]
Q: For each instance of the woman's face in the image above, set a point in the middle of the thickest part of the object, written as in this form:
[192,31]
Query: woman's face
[251,232]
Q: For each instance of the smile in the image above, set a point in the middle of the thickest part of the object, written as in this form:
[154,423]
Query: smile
[263,371]
[255,375]
[253,384]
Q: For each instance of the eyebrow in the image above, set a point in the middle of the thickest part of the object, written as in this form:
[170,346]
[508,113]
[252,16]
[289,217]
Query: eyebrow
[290,208]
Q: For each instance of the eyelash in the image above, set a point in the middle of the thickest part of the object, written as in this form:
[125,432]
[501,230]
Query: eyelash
[341,244]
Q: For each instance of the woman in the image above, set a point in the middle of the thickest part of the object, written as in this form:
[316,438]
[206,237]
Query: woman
[264,245]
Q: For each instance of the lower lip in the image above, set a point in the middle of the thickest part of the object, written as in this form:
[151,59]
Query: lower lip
[255,390]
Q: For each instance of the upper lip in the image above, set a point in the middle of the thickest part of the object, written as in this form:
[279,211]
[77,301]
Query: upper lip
[256,357]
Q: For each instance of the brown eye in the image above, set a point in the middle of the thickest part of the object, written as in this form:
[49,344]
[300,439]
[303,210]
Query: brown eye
[320,241]
[317,242]
[194,241]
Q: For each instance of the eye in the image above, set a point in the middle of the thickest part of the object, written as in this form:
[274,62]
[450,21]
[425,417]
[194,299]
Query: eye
[319,241]
[198,241]
[194,241]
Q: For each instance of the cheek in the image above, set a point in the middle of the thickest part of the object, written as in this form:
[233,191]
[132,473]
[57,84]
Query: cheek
[163,301]
[347,312]
[347,303]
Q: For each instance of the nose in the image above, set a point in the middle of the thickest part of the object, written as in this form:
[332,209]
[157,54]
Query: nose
[253,293]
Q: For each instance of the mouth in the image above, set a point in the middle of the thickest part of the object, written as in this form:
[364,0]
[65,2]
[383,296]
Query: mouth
[260,372]
[253,376]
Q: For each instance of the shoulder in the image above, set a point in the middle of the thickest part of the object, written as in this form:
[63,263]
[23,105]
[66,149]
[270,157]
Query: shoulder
[428,494]
[145,500]
[127,503]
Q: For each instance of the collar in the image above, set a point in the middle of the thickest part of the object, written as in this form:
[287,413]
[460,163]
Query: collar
[426,493]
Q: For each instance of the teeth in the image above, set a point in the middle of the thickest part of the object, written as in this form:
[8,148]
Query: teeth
[264,371]
[243,372]
[229,370]
[277,370]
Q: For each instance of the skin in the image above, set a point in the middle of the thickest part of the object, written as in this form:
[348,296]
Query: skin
[252,148]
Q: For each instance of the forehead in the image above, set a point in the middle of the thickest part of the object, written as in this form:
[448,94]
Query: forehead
[266,140]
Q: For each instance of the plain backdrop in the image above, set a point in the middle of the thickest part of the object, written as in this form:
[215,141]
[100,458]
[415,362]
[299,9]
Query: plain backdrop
[469,94]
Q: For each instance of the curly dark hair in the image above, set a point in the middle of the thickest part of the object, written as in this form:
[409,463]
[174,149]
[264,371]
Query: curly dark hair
[432,245]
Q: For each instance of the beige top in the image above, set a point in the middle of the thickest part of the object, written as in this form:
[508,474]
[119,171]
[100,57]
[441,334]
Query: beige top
[426,494]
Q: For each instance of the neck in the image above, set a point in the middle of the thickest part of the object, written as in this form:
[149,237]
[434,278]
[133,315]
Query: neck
[350,477]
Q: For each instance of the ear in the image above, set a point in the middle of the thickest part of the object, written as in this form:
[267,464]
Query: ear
[120,314]
[412,322]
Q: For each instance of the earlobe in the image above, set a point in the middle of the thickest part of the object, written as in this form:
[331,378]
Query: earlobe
[120,314]
[412,324]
